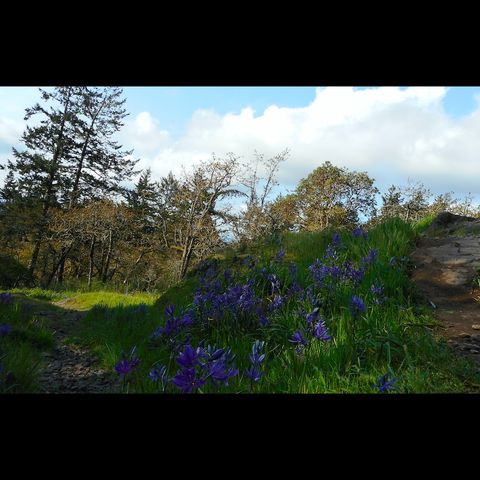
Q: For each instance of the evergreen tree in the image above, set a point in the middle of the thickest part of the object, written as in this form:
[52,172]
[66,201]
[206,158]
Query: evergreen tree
[39,168]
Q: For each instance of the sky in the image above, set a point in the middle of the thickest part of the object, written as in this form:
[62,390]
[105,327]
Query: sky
[396,134]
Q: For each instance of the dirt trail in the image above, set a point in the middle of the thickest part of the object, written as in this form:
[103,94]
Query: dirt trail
[69,368]
[446,265]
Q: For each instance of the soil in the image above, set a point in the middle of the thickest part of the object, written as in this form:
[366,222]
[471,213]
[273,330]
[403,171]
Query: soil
[69,368]
[446,267]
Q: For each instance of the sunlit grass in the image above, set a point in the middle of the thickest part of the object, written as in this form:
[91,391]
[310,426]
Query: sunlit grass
[393,337]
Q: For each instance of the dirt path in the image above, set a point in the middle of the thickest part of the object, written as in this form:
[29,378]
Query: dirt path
[446,265]
[69,368]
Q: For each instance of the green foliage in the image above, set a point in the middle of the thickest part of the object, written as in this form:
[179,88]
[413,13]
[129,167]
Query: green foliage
[12,272]
[21,350]
[333,196]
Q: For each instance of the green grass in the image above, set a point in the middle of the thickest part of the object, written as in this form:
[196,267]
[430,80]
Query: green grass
[42,294]
[85,301]
[395,336]
[21,349]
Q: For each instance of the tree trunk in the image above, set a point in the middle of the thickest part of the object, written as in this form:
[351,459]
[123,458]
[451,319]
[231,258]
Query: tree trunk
[125,281]
[186,256]
[107,259]
[63,256]
[90,261]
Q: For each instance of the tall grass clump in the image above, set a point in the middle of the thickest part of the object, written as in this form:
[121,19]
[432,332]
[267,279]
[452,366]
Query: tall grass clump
[23,337]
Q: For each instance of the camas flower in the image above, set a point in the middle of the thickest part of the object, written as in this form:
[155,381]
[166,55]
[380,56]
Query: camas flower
[187,381]
[336,239]
[320,272]
[5,329]
[276,303]
[190,357]
[170,311]
[353,274]
[378,293]
[320,331]
[6,298]
[263,319]
[300,342]
[359,232]
[212,353]
[280,255]
[158,374]
[312,316]
[386,383]
[257,357]
[372,254]
[254,373]
[127,365]
[357,306]
[274,283]
[219,371]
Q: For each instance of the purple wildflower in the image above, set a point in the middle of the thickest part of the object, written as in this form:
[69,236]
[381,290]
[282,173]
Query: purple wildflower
[277,302]
[357,306]
[311,297]
[300,342]
[280,255]
[254,374]
[320,331]
[330,252]
[6,298]
[186,319]
[372,254]
[263,319]
[169,311]
[190,357]
[127,365]
[219,371]
[319,272]
[378,293]
[312,316]
[158,374]
[257,357]
[386,383]
[5,329]
[213,353]
[353,274]
[274,283]
[336,239]
[359,232]
[187,381]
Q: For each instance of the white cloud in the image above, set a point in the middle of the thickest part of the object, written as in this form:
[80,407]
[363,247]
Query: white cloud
[392,133]
[144,135]
[10,130]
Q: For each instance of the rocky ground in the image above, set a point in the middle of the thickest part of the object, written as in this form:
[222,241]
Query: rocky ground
[69,368]
[446,268]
